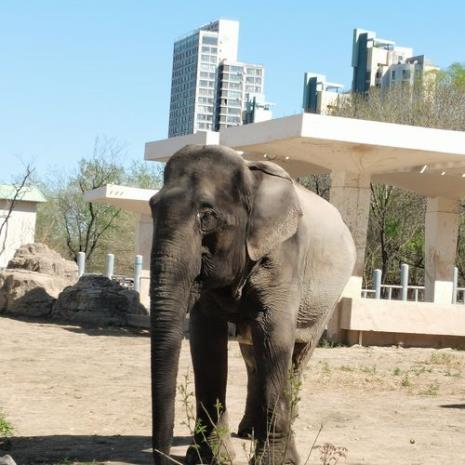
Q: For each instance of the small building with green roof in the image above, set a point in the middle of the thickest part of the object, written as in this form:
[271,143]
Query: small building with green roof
[18,211]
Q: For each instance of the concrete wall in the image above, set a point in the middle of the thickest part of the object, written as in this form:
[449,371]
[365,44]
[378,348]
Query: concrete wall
[388,322]
[19,230]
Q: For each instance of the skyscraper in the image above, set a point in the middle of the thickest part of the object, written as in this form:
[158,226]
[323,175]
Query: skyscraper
[379,63]
[209,87]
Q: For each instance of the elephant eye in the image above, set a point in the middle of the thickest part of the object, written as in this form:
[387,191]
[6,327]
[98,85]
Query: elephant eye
[208,220]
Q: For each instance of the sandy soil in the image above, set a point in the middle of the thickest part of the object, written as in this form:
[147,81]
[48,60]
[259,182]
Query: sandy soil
[76,394]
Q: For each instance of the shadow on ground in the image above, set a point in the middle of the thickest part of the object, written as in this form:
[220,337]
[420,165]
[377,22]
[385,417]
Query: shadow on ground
[48,450]
[455,406]
[88,329]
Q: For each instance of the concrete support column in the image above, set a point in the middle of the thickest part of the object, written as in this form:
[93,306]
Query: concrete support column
[144,234]
[441,232]
[350,194]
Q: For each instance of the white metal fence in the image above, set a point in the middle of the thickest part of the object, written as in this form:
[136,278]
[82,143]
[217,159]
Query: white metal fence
[407,292]
[403,291]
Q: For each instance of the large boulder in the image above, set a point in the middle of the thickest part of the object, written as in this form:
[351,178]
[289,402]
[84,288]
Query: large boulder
[33,280]
[97,300]
[41,259]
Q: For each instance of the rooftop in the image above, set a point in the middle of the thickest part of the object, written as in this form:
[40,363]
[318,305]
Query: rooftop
[128,198]
[424,160]
[27,194]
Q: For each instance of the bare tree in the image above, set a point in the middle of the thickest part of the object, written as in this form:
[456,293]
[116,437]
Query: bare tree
[395,238]
[318,183]
[18,190]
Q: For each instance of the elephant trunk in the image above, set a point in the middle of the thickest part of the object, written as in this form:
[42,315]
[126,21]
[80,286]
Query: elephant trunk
[171,282]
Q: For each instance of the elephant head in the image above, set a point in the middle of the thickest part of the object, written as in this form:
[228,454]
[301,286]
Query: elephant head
[215,216]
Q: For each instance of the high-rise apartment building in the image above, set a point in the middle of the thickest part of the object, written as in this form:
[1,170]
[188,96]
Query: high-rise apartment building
[237,86]
[209,87]
[380,63]
[319,95]
[376,63]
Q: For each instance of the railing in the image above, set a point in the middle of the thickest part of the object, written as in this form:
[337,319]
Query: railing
[406,292]
[125,281]
[394,292]
[403,291]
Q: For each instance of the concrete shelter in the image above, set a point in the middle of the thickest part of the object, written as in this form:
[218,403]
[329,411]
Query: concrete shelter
[135,200]
[355,152]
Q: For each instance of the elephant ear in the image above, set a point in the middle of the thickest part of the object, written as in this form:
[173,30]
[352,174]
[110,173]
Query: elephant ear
[275,211]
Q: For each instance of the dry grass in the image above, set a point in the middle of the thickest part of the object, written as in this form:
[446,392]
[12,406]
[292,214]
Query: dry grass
[425,376]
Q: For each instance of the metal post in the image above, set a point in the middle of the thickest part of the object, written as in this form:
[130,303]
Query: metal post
[109,265]
[455,280]
[81,263]
[404,281]
[377,274]
[137,272]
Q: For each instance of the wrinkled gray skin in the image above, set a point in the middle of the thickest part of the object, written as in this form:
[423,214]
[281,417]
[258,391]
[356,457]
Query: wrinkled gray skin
[237,241]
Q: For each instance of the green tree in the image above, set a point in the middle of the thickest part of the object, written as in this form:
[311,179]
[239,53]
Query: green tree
[69,224]
[146,175]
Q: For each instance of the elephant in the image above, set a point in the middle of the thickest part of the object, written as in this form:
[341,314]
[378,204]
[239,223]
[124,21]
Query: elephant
[239,241]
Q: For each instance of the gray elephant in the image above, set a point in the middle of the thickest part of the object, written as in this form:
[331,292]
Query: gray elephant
[238,241]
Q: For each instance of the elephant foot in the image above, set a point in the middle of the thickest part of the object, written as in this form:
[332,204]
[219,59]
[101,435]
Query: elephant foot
[246,428]
[211,453]
[281,453]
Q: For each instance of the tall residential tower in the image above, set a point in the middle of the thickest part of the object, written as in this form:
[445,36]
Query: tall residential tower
[209,87]
[380,63]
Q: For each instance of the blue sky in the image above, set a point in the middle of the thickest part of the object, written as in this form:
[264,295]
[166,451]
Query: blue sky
[73,70]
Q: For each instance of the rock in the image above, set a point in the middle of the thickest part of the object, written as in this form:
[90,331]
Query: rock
[95,299]
[27,293]
[33,279]
[7,460]
[41,259]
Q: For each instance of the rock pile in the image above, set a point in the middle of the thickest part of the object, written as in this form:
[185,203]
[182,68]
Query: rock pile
[33,280]
[39,282]
[97,300]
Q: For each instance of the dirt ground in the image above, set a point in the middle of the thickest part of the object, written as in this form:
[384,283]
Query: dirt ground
[76,394]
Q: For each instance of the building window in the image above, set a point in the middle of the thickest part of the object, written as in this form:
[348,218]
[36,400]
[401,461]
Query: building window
[210,40]
[393,75]
[405,74]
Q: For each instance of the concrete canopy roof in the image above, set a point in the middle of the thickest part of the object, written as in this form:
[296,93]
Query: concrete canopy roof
[27,193]
[128,198]
[309,144]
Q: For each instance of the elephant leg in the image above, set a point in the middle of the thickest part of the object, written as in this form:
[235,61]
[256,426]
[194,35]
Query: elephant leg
[300,356]
[248,422]
[208,341]
[273,343]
